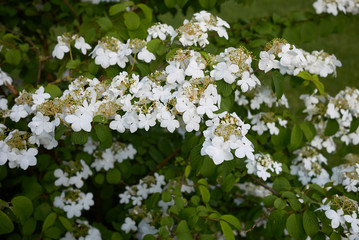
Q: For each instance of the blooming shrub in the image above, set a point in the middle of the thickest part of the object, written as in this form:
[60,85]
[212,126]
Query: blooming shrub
[156,132]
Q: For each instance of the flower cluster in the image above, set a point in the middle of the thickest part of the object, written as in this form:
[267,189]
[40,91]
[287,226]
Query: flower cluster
[342,212]
[106,159]
[161,31]
[4,78]
[64,45]
[336,6]
[291,60]
[72,173]
[347,174]
[234,64]
[16,149]
[259,98]
[194,32]
[261,164]
[308,166]
[82,230]
[226,132]
[340,111]
[73,201]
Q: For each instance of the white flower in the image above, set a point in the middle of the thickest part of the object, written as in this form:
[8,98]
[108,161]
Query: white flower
[79,121]
[41,123]
[219,150]
[194,69]
[18,112]
[354,221]
[28,158]
[267,61]
[60,49]
[224,71]
[117,124]
[82,45]
[146,56]
[129,225]
[335,216]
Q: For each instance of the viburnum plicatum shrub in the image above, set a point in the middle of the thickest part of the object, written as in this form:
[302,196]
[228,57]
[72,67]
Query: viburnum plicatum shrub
[155,136]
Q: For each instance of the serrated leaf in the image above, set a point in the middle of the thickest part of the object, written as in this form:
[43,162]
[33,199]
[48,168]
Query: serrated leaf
[310,223]
[224,88]
[147,12]
[73,64]
[226,103]
[269,200]
[182,231]
[354,125]
[60,130]
[99,119]
[22,207]
[53,232]
[66,223]
[232,220]
[49,221]
[227,230]
[308,133]
[170,3]
[153,45]
[279,203]
[294,226]
[80,137]
[281,184]
[105,23]
[296,137]
[53,90]
[113,176]
[295,204]
[13,56]
[29,227]
[120,7]
[332,127]
[278,82]
[6,225]
[103,133]
[132,20]
[204,193]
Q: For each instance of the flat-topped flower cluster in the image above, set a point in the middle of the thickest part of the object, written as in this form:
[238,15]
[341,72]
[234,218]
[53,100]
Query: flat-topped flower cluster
[335,6]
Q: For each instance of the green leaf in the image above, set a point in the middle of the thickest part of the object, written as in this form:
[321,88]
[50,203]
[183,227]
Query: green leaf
[295,204]
[60,130]
[207,4]
[132,20]
[296,137]
[147,12]
[332,127]
[308,133]
[99,119]
[166,196]
[310,223]
[269,200]
[29,227]
[182,231]
[73,64]
[227,230]
[49,221]
[227,103]
[318,84]
[66,223]
[154,45]
[181,3]
[13,56]
[53,232]
[53,90]
[6,225]
[281,184]
[232,220]
[103,133]
[99,179]
[224,88]
[149,237]
[280,203]
[278,81]
[204,193]
[80,137]
[295,227]
[93,67]
[354,124]
[120,7]
[292,35]
[104,23]
[228,182]
[276,223]
[22,207]
[170,3]
[113,176]
[335,236]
